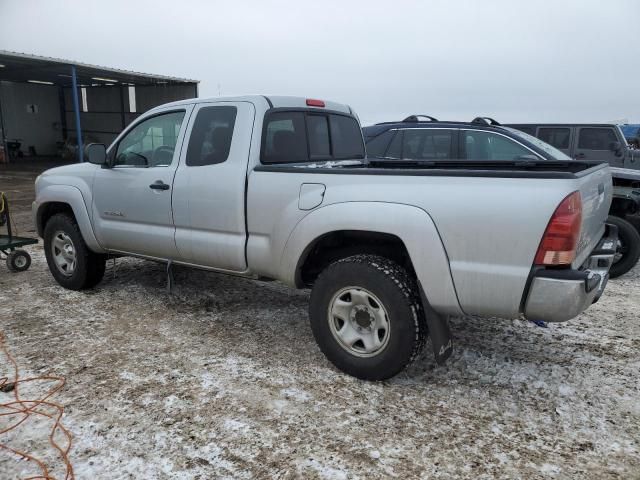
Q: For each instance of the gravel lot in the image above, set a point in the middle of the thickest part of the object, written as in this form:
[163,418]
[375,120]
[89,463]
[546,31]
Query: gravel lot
[222,379]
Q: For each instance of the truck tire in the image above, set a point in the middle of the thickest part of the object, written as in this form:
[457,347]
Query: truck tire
[367,317]
[628,245]
[70,261]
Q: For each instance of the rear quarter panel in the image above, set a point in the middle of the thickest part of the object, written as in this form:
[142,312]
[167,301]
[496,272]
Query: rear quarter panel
[488,228]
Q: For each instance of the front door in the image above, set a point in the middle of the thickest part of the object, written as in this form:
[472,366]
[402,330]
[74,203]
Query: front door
[595,143]
[132,200]
[210,185]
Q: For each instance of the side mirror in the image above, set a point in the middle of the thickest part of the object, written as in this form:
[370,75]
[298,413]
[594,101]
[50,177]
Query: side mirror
[96,153]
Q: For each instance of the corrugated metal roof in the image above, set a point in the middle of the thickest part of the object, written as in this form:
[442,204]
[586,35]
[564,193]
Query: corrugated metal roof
[22,67]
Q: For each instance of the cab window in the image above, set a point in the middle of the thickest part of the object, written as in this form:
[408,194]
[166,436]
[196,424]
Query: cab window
[151,143]
[211,136]
[479,145]
[300,136]
[285,139]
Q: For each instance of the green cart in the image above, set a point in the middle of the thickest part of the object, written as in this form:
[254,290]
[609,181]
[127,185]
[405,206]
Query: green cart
[17,259]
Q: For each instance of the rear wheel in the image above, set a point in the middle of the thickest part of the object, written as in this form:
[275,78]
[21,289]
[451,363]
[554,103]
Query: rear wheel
[367,317]
[628,247]
[70,261]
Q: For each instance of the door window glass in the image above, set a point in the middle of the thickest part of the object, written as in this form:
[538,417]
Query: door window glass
[395,148]
[481,145]
[211,136]
[377,146]
[285,138]
[558,137]
[151,143]
[423,144]
[596,138]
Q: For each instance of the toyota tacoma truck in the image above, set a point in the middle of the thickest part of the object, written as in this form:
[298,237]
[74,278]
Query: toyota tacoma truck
[280,188]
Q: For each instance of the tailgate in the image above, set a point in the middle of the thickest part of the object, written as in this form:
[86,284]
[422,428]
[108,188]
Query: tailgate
[596,191]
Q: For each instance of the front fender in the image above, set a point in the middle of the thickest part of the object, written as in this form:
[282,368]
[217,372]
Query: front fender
[411,224]
[71,196]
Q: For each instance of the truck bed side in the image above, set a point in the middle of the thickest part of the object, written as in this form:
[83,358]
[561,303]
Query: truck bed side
[489,228]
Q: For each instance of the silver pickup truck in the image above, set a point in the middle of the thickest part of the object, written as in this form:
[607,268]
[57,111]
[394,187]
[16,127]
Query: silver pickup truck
[280,188]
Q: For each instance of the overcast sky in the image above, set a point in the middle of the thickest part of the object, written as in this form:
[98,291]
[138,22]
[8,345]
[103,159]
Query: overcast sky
[544,60]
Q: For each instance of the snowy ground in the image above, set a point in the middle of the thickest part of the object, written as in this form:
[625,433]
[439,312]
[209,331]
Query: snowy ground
[222,379]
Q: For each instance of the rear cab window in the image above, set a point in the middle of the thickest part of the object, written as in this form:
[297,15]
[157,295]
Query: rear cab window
[292,136]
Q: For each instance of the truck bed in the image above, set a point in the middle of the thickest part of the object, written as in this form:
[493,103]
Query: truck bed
[489,216]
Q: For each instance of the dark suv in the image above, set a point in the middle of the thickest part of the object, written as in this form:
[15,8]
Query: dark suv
[421,138]
[483,139]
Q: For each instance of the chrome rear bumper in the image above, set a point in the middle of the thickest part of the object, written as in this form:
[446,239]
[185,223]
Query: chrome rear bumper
[560,295]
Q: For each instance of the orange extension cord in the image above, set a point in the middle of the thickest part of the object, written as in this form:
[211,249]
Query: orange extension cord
[23,409]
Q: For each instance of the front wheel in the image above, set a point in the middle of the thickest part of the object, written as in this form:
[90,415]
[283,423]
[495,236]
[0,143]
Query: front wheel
[628,247]
[70,261]
[367,317]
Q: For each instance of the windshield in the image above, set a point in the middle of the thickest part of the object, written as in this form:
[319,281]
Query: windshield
[553,152]
[630,130]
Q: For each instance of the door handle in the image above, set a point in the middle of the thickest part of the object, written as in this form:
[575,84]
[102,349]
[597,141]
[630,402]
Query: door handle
[580,155]
[159,185]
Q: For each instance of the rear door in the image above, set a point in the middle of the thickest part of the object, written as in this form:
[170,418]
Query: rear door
[559,137]
[210,186]
[429,144]
[595,143]
[483,145]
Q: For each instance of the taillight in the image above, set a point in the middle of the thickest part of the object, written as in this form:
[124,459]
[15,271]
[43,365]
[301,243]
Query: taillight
[558,245]
[314,103]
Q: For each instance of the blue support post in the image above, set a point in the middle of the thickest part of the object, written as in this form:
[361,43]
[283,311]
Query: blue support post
[76,111]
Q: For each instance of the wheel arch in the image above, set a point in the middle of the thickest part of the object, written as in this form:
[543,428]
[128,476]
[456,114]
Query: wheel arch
[404,233]
[623,205]
[65,199]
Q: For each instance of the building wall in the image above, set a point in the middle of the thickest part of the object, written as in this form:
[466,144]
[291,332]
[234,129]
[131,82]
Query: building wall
[40,129]
[149,97]
[104,119]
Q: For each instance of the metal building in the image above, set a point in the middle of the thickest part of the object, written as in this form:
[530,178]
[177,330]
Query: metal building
[49,106]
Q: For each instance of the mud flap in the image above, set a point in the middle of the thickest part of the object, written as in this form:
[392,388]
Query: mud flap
[170,279]
[438,331]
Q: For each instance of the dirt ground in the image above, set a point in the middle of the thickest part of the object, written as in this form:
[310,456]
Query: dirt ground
[222,379]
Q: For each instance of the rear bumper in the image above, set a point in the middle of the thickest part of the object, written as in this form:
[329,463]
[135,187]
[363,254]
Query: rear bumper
[560,295]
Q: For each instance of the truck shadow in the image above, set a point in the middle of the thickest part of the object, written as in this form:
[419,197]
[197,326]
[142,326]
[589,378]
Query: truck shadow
[272,309]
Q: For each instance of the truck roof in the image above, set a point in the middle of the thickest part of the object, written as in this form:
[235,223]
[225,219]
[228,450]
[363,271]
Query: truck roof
[269,101]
